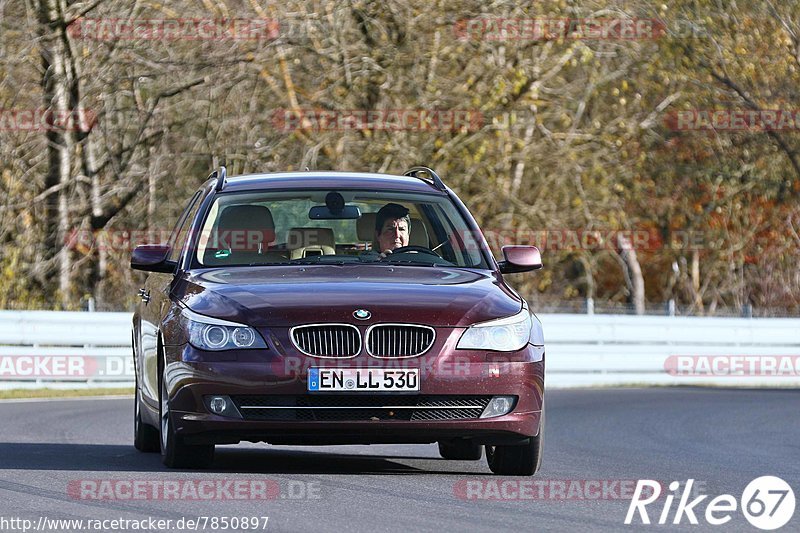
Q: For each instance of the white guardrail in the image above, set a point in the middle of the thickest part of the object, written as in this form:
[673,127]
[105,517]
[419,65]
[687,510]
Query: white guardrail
[76,350]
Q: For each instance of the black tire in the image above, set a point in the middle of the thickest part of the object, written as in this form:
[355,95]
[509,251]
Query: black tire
[524,460]
[145,437]
[461,450]
[174,453]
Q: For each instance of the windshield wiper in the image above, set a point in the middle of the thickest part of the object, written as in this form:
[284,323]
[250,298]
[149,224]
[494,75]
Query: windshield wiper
[409,262]
[327,260]
[306,262]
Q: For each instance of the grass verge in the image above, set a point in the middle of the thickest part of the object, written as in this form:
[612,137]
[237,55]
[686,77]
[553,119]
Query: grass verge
[63,393]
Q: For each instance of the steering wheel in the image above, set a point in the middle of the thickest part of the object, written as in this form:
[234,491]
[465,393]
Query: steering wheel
[419,249]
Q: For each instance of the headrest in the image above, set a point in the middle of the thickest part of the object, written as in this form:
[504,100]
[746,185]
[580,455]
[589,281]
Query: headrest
[244,227]
[365,227]
[302,237]
[419,235]
[246,217]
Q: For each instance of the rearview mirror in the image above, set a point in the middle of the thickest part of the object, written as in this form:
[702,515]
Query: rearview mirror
[520,259]
[323,212]
[153,258]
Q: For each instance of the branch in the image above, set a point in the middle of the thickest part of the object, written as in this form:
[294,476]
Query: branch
[99,222]
[725,80]
[82,12]
[665,103]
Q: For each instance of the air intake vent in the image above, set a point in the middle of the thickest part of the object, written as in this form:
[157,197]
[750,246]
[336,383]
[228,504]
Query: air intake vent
[372,407]
[399,340]
[327,340]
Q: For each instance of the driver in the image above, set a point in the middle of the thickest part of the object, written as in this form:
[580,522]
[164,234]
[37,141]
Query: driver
[392,228]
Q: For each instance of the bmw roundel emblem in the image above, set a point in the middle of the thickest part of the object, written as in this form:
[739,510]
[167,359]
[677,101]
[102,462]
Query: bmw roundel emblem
[362,314]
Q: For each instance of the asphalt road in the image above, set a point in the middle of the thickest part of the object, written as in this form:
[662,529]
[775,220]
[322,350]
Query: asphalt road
[57,457]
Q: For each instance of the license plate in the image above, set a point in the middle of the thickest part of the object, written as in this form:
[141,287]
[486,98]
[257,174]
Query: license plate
[363,379]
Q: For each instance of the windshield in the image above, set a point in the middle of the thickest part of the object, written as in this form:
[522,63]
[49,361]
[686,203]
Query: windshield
[310,227]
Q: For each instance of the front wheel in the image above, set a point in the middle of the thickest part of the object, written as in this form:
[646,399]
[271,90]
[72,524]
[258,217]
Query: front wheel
[174,453]
[524,460]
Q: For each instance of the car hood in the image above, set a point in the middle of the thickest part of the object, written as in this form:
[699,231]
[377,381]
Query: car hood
[288,296]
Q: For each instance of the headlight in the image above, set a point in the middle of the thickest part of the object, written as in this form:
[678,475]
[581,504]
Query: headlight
[208,333]
[508,334]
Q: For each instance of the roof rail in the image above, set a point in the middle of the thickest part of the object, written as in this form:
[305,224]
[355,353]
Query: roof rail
[425,173]
[222,175]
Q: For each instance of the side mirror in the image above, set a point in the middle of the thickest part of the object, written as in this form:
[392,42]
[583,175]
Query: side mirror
[153,258]
[520,259]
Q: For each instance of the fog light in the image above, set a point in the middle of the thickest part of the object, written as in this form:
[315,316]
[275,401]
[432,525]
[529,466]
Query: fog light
[217,404]
[498,406]
[222,406]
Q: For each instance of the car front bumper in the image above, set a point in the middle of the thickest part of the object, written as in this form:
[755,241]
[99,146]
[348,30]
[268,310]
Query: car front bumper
[463,374]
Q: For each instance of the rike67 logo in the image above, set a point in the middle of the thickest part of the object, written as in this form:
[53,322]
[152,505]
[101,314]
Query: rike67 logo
[767,503]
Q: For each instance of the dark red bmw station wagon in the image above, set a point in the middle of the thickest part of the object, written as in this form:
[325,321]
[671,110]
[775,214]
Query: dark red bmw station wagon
[335,308]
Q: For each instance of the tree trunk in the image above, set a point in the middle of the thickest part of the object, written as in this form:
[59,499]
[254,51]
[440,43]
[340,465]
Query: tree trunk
[698,299]
[633,273]
[55,88]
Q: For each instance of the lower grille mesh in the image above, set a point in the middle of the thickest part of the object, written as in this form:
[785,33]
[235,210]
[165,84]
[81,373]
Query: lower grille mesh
[349,407]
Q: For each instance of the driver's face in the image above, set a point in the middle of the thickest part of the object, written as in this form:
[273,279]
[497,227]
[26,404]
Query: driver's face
[393,235]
